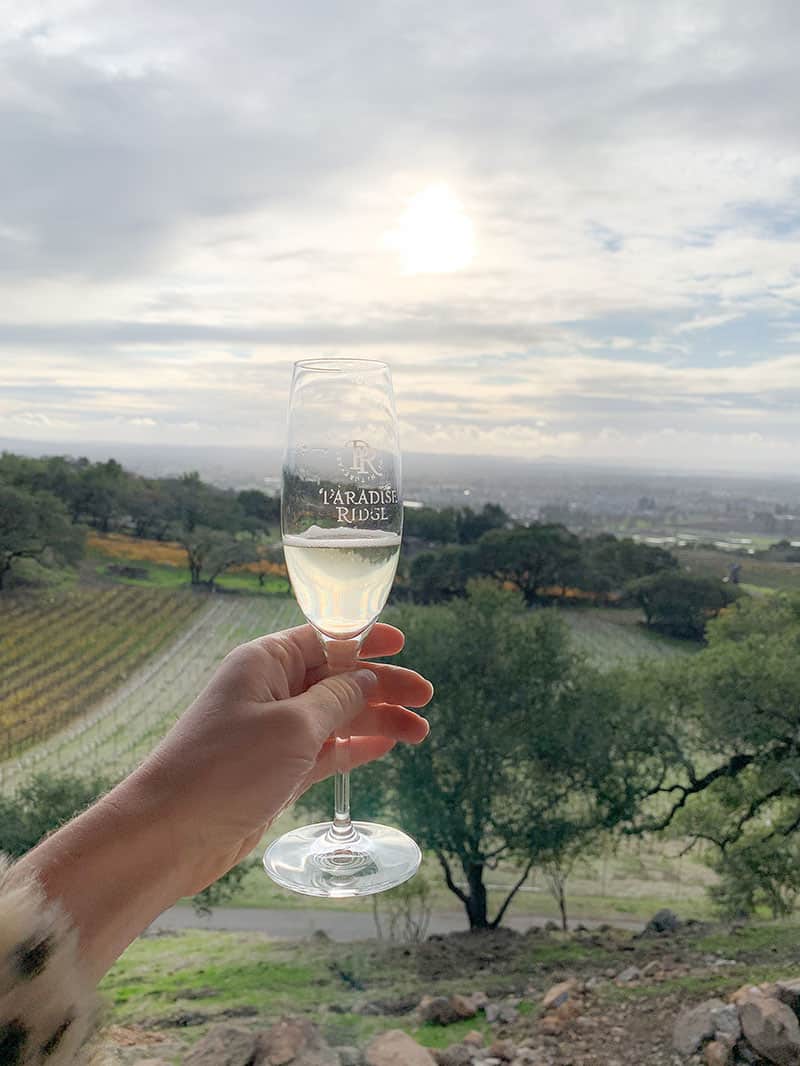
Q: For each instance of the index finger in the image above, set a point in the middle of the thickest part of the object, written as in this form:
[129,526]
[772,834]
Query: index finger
[381,640]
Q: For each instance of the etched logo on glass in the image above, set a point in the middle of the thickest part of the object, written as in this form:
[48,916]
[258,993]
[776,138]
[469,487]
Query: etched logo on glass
[362,463]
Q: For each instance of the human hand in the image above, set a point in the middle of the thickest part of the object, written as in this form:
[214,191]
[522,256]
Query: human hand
[260,734]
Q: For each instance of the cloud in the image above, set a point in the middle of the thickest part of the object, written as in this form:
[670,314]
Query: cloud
[708,321]
[193,194]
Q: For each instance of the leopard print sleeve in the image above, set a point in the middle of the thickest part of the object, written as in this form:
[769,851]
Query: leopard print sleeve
[47,1005]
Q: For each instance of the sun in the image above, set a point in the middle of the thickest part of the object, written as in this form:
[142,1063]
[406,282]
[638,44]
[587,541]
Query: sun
[433,235]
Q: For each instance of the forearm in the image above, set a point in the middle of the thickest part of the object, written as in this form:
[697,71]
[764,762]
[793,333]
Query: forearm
[113,870]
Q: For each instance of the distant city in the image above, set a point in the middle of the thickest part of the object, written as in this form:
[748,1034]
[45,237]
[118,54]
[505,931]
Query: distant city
[653,504]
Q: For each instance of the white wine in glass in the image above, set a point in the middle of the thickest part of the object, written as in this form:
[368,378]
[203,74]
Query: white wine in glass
[342,521]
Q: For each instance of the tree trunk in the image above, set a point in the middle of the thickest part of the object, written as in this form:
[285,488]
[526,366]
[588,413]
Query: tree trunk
[476,896]
[474,899]
[562,906]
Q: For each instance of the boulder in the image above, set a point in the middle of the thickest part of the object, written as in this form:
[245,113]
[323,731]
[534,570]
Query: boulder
[505,1013]
[444,1010]
[788,992]
[455,1055]
[771,1028]
[474,1038]
[225,1045]
[663,923]
[440,1011]
[717,1054]
[503,1050]
[559,994]
[467,1006]
[694,1027]
[630,973]
[727,1026]
[295,1042]
[748,991]
[396,1048]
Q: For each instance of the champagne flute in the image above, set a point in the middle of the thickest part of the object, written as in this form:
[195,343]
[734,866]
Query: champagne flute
[341,520]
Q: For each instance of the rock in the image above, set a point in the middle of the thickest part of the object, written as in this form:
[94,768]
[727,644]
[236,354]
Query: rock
[693,1027]
[396,1048]
[440,1010]
[225,1045]
[772,1029]
[455,1055]
[295,1042]
[505,1013]
[551,927]
[747,991]
[788,992]
[473,1038]
[717,1054]
[727,1026]
[663,923]
[630,973]
[551,1025]
[559,994]
[503,1050]
[467,1006]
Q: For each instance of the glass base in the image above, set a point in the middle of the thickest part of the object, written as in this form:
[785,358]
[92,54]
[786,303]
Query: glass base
[315,862]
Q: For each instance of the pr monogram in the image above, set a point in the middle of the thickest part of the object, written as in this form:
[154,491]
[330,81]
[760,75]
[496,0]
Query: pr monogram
[365,463]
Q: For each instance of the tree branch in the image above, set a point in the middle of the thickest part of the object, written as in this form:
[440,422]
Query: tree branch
[732,768]
[733,834]
[448,876]
[515,888]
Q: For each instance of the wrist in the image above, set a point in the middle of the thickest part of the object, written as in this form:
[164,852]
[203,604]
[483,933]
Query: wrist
[111,871]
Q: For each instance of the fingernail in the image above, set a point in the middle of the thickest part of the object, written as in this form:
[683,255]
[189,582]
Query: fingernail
[366,680]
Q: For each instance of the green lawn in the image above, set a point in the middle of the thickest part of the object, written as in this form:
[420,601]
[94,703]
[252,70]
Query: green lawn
[172,577]
[760,572]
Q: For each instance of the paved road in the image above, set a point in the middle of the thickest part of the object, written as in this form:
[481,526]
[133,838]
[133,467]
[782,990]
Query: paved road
[291,924]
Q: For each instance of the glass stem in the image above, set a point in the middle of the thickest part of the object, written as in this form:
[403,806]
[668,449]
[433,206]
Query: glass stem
[342,655]
[342,825]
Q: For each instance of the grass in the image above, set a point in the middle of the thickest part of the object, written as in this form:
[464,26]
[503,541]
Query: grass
[164,576]
[187,982]
[157,976]
[615,636]
[165,566]
[762,573]
[213,974]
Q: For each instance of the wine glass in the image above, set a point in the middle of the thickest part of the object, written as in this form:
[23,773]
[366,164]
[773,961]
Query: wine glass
[341,520]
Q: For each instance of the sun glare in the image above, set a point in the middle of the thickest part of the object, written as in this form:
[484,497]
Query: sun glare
[433,235]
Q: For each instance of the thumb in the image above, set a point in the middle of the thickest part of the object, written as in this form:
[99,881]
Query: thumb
[336,700]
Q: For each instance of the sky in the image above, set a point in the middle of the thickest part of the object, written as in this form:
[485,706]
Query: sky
[572,230]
